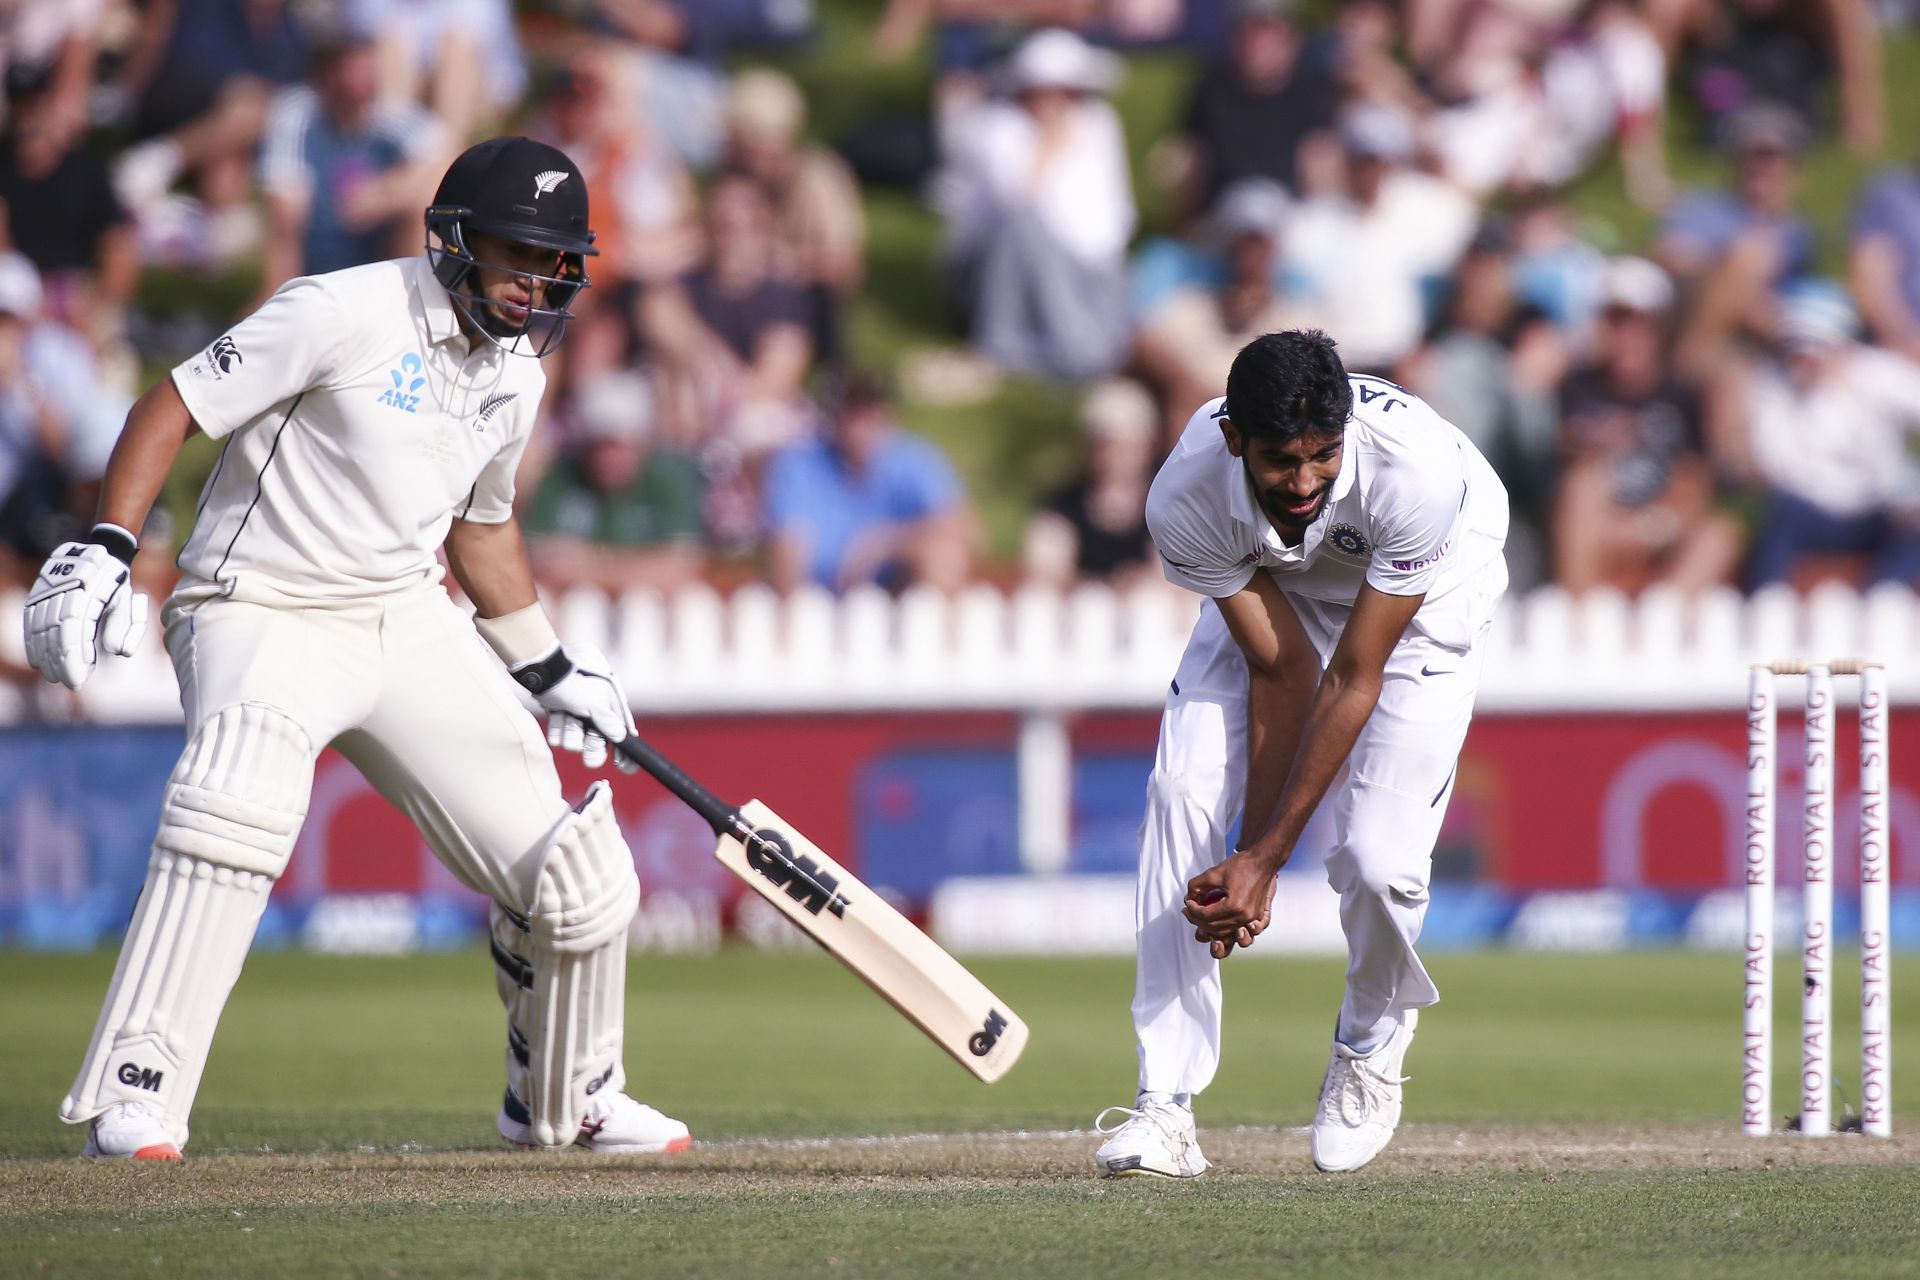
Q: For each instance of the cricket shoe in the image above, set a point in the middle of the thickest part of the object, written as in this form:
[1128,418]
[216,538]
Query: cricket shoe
[130,1131]
[614,1125]
[1156,1140]
[1360,1102]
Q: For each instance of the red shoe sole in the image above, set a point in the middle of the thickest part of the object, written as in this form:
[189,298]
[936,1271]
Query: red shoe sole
[679,1144]
[158,1151]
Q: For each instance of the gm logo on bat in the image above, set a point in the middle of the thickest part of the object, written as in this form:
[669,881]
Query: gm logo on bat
[769,854]
[981,1042]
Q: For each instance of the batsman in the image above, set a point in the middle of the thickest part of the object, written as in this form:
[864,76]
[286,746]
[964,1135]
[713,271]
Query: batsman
[370,418]
[1350,543]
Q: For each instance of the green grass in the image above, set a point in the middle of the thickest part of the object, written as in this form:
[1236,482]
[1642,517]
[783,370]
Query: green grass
[332,1053]
[1744,1224]
[357,1062]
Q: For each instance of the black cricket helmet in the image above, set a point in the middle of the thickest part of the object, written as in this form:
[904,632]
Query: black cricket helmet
[526,192]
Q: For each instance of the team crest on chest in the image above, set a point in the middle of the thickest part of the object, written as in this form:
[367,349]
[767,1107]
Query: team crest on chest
[1349,541]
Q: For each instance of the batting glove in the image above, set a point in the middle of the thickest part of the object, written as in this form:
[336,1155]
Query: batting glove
[585,705]
[83,602]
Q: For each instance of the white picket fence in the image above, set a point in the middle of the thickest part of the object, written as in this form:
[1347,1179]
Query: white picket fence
[1045,655]
[1093,648]
[1038,651]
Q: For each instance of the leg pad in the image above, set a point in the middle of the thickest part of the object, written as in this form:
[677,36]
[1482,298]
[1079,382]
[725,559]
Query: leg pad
[563,969]
[232,810]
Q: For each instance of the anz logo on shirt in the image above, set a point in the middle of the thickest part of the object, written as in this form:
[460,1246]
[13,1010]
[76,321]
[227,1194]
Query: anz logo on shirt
[404,394]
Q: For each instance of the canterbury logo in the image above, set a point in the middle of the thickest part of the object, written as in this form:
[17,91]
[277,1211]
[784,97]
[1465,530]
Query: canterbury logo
[225,353]
[544,183]
[490,406]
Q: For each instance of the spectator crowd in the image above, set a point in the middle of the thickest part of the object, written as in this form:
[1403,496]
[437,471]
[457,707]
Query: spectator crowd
[1731,401]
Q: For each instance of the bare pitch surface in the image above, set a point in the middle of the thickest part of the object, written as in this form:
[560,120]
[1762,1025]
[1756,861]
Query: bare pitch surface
[1446,1201]
[1568,1114]
[900,1160]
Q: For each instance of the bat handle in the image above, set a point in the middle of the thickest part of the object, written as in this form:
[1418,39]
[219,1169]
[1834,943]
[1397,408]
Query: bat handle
[721,816]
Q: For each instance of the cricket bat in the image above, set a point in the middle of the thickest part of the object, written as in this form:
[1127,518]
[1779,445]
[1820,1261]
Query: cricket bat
[861,929]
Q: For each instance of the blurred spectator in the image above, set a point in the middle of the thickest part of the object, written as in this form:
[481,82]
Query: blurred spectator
[195,90]
[1554,268]
[867,503]
[1039,208]
[615,511]
[1739,246]
[730,337]
[52,42]
[345,170]
[1493,368]
[33,431]
[62,214]
[1826,426]
[1755,221]
[1791,52]
[645,210]
[1361,52]
[1884,258]
[461,58]
[816,203]
[1635,504]
[1366,255]
[1533,103]
[1250,114]
[685,45]
[1095,525]
[1188,340]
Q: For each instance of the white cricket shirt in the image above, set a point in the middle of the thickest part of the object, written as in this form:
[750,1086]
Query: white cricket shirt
[1414,510]
[358,423]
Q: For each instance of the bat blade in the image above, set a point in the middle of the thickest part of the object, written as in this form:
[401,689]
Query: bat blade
[865,933]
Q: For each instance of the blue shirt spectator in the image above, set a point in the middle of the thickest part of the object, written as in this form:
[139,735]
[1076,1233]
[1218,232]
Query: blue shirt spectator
[865,503]
[1703,228]
[1885,259]
[345,172]
[1710,221]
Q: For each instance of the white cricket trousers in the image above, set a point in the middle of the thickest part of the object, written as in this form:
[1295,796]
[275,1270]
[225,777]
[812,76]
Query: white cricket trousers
[1387,809]
[404,688]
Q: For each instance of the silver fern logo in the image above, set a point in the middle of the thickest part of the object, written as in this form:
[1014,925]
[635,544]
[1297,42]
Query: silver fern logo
[544,183]
[490,406]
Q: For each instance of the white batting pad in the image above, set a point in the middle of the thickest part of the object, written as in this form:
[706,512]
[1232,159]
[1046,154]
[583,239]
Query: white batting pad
[571,1009]
[232,810]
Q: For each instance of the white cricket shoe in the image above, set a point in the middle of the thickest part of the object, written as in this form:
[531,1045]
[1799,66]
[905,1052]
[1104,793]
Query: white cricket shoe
[614,1125]
[1157,1140]
[129,1131]
[1360,1102]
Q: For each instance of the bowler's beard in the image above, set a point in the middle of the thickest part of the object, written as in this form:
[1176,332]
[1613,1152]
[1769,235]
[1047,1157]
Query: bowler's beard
[1275,502]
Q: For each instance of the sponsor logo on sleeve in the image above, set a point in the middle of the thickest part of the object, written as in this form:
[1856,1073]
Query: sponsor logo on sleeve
[224,354]
[1408,566]
[404,394]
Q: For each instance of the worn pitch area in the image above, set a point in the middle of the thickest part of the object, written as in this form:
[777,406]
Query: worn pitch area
[231,1179]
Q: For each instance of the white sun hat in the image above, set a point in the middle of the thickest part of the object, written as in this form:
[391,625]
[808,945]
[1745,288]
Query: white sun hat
[1055,58]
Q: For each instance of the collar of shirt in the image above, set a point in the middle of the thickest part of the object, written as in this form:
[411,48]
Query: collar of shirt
[436,307]
[1246,509]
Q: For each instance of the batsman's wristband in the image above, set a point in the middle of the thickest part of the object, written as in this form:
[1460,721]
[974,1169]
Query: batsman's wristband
[120,544]
[542,674]
[521,637]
